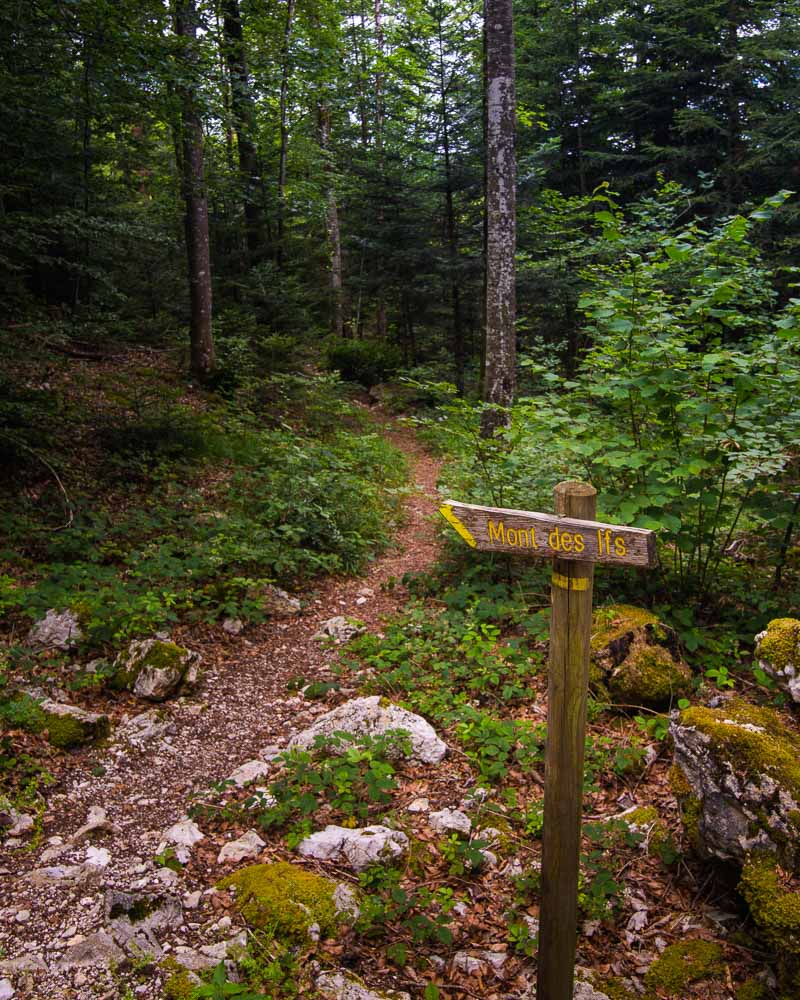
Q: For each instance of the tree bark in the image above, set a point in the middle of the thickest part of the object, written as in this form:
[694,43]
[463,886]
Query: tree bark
[244,123]
[334,233]
[284,147]
[450,219]
[500,215]
[202,359]
[380,308]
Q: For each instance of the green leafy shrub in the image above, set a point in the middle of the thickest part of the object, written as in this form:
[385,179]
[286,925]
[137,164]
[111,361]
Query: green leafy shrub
[351,775]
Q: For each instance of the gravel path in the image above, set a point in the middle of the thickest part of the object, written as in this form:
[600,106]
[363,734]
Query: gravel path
[55,899]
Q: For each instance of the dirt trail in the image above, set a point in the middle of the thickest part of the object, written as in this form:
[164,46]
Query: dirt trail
[242,707]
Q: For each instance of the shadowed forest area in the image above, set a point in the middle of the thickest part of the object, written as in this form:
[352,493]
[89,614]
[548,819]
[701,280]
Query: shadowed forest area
[275,280]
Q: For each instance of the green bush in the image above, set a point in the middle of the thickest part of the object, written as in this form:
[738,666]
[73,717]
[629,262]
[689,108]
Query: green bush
[367,362]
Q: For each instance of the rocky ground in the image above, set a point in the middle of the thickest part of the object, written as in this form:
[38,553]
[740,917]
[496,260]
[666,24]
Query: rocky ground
[114,889]
[58,891]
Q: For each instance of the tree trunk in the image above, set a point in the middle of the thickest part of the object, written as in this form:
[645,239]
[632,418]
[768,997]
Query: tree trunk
[500,214]
[244,124]
[284,148]
[202,359]
[334,233]
[380,308]
[450,221]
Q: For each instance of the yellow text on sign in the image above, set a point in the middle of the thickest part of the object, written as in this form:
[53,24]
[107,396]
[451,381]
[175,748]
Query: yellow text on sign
[558,539]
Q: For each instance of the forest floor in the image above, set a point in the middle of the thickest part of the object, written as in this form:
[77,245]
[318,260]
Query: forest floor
[243,706]
[61,893]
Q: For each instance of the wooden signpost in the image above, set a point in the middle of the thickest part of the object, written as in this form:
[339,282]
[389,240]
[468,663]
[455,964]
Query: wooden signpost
[575,542]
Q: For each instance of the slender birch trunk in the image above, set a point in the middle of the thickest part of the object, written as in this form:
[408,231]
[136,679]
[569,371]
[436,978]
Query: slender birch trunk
[500,214]
[334,233]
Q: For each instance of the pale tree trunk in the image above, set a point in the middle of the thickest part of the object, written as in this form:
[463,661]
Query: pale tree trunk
[334,233]
[202,358]
[380,312]
[500,214]
[244,124]
[450,219]
[284,148]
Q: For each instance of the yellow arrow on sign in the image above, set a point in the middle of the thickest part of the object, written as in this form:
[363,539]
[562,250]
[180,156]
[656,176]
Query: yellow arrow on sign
[462,529]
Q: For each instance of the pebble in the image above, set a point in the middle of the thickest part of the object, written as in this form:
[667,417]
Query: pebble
[23,916]
[70,931]
[6,989]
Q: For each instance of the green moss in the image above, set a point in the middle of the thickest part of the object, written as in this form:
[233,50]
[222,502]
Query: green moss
[781,645]
[283,899]
[163,656]
[649,676]
[160,656]
[751,989]
[775,910]
[179,985]
[65,731]
[755,740]
[678,783]
[691,810]
[615,989]
[616,621]
[681,964]
[776,913]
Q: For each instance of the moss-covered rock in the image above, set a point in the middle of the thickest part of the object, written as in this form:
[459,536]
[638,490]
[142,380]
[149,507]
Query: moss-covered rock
[68,726]
[635,658]
[775,909]
[778,653]
[740,768]
[285,900]
[651,676]
[682,964]
[154,669]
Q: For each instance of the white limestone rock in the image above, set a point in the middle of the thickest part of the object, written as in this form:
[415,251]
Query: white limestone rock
[746,799]
[359,848]
[7,990]
[372,716]
[182,836]
[96,949]
[97,821]
[420,805]
[278,603]
[154,669]
[57,630]
[449,821]
[249,772]
[249,845]
[347,986]
[146,727]
[585,991]
[340,629]
[778,653]
[345,900]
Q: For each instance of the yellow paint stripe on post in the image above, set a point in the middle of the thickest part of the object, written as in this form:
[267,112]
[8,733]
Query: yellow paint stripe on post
[462,529]
[567,583]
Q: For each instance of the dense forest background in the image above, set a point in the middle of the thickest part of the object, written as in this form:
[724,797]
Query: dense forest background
[342,160]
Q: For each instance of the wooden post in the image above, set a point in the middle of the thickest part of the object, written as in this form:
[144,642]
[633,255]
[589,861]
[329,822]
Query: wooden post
[575,542]
[570,633]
